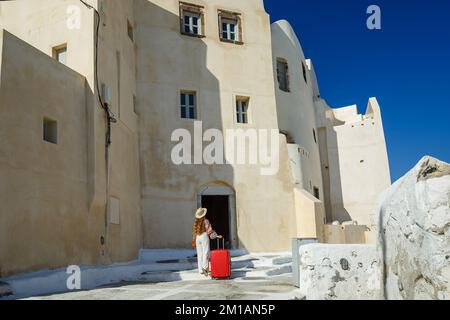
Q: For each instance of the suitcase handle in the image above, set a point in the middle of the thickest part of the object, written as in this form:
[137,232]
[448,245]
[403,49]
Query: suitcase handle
[218,243]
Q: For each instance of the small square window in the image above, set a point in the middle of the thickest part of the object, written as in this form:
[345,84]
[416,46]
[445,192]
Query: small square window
[283,74]
[50,131]
[130,30]
[230,30]
[191,19]
[191,24]
[316,193]
[230,26]
[188,105]
[242,110]
[60,54]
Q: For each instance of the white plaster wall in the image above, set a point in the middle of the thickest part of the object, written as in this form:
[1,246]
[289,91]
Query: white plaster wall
[296,109]
[358,163]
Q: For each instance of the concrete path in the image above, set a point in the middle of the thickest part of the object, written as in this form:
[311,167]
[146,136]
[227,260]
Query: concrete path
[165,274]
[274,288]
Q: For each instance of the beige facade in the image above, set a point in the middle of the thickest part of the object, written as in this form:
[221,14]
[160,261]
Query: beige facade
[56,195]
[77,202]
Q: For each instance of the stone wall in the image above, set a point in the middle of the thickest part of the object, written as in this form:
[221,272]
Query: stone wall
[414,218]
[339,272]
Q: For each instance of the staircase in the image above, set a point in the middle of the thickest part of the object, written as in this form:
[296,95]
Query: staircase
[182,265]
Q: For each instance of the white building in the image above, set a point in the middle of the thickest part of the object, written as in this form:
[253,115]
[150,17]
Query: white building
[164,65]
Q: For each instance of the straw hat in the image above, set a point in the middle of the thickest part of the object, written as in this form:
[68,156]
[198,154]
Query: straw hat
[201,213]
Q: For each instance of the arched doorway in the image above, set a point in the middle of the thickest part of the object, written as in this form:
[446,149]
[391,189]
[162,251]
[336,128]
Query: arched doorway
[220,200]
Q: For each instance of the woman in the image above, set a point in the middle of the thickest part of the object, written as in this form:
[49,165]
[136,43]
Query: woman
[201,234]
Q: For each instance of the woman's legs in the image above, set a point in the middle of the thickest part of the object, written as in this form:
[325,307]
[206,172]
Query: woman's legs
[206,253]
[199,246]
[202,243]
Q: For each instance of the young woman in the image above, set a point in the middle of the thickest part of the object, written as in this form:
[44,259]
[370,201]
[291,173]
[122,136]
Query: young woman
[201,234]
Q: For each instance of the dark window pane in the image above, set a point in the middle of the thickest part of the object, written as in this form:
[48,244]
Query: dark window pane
[233,36]
[186,19]
[195,21]
[232,27]
[191,100]
[195,30]
[244,118]
[183,99]
[191,113]
[187,29]
[183,112]
[224,27]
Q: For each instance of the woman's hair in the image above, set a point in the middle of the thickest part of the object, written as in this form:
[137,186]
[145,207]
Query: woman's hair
[199,226]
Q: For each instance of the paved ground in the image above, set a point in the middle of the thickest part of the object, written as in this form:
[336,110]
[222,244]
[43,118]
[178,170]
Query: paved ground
[252,288]
[165,274]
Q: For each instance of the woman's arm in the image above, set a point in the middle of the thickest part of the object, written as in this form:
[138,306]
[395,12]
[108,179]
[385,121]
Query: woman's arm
[211,233]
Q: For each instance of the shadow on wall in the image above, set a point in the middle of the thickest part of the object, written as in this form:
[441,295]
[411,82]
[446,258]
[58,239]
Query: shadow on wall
[331,173]
[170,64]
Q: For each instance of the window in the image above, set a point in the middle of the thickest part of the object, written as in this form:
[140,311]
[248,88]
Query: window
[283,74]
[230,27]
[188,105]
[50,131]
[60,54]
[191,19]
[191,23]
[130,30]
[316,193]
[229,30]
[304,73]
[242,110]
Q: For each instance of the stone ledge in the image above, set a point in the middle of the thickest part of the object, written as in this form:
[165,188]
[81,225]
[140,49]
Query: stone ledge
[340,272]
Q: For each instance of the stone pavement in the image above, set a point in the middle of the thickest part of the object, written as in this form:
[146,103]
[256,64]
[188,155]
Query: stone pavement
[250,288]
[166,274]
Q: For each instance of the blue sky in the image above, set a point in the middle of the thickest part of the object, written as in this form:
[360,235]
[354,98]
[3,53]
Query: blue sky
[406,65]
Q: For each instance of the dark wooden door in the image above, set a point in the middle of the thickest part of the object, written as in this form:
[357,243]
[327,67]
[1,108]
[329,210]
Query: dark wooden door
[219,216]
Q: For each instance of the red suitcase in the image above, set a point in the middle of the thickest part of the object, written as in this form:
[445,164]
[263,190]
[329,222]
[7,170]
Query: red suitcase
[220,263]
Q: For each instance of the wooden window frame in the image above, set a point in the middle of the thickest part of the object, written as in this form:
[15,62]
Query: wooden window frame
[239,112]
[194,10]
[235,16]
[187,106]
[57,49]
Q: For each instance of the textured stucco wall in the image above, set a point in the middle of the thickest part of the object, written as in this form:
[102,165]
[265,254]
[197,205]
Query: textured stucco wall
[355,152]
[296,109]
[44,220]
[169,62]
[43,24]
